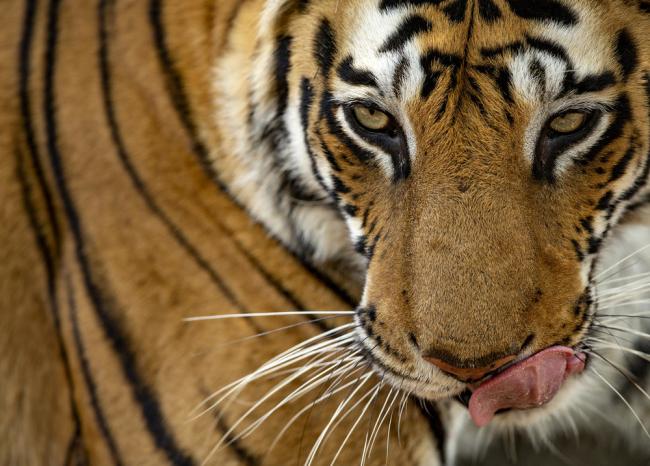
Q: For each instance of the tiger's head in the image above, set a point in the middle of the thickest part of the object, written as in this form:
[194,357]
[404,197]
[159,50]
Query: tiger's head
[474,156]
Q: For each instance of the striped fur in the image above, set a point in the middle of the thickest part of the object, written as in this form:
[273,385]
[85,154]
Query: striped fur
[165,159]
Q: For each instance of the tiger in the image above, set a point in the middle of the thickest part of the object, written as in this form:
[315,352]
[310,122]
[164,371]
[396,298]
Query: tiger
[246,232]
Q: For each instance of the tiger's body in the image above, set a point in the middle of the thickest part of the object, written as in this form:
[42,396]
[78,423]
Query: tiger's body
[170,159]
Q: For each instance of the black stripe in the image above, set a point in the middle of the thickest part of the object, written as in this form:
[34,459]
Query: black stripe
[235,445]
[48,261]
[399,76]
[306,102]
[303,5]
[143,394]
[49,255]
[432,77]
[175,231]
[605,201]
[411,27]
[125,159]
[325,47]
[595,82]
[504,81]
[351,75]
[538,72]
[644,6]
[578,250]
[546,46]
[543,10]
[389,4]
[176,89]
[329,155]
[24,67]
[626,53]
[640,182]
[331,285]
[615,130]
[75,450]
[456,10]
[641,203]
[489,11]
[430,82]
[491,52]
[327,109]
[87,374]
[282,59]
[644,177]
[621,166]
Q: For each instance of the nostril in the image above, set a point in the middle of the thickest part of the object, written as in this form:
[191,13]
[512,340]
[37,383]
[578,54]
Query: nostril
[469,371]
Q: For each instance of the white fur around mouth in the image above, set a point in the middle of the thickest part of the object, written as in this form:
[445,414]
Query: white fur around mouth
[426,388]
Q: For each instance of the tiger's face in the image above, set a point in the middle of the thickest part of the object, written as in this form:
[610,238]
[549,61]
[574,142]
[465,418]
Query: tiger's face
[480,154]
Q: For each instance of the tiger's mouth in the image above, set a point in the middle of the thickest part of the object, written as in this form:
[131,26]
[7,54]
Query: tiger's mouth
[530,383]
[525,384]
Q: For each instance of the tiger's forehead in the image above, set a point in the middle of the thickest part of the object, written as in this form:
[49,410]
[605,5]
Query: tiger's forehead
[415,41]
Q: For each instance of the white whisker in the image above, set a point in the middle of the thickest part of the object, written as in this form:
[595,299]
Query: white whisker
[271,332]
[288,358]
[625,259]
[316,381]
[269,394]
[630,331]
[624,372]
[603,344]
[402,409]
[267,314]
[319,440]
[383,413]
[627,278]
[372,393]
[320,399]
[624,401]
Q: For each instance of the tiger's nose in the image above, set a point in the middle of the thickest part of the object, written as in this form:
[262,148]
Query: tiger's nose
[469,372]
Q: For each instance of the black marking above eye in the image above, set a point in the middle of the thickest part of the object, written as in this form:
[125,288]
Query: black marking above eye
[325,47]
[410,28]
[399,76]
[446,61]
[282,60]
[626,53]
[351,75]
[455,11]
[488,10]
[543,10]
[595,82]
[389,4]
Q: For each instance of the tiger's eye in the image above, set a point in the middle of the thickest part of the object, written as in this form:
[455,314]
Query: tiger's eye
[370,118]
[568,122]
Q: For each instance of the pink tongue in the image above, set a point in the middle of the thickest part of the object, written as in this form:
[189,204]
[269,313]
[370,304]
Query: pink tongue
[528,384]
